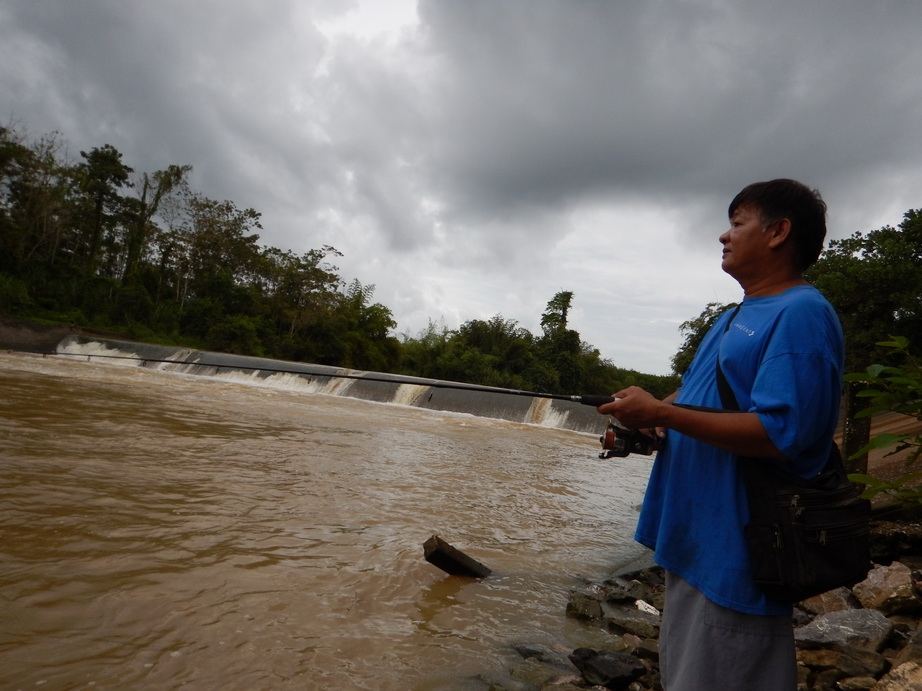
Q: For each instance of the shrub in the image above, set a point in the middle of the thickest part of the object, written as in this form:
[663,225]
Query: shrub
[894,388]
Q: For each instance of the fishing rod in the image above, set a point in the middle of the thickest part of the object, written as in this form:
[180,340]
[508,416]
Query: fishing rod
[617,440]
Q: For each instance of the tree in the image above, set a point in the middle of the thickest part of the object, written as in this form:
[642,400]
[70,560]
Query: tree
[874,280]
[100,178]
[300,285]
[141,211]
[896,388]
[554,318]
[693,332]
[36,190]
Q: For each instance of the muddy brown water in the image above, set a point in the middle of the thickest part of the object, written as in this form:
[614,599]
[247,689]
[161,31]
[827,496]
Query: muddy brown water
[166,531]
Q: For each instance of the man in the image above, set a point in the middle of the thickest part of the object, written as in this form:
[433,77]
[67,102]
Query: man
[782,356]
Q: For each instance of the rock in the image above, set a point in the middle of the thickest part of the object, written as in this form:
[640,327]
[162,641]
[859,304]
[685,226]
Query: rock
[648,650]
[912,651]
[537,674]
[906,677]
[646,607]
[889,589]
[833,601]
[624,590]
[891,540]
[612,670]
[800,617]
[647,584]
[863,629]
[856,683]
[826,679]
[542,653]
[627,619]
[584,605]
[849,663]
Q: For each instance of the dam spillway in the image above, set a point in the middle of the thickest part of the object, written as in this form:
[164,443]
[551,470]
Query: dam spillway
[381,387]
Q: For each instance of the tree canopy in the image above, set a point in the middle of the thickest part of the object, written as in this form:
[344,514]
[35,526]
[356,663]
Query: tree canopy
[141,254]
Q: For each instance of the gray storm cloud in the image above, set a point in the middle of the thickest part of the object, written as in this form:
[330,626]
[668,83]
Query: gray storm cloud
[463,162]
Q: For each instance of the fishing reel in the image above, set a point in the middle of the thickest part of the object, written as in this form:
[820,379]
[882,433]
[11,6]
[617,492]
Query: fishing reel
[619,441]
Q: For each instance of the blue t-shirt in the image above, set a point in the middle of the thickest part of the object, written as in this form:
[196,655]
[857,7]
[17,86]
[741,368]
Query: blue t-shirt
[782,356]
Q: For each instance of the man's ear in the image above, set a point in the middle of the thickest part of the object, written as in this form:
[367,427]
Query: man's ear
[780,232]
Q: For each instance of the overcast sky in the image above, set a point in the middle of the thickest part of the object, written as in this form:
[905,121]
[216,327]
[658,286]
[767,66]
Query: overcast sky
[474,157]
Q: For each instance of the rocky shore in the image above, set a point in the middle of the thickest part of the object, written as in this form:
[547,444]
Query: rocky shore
[849,639]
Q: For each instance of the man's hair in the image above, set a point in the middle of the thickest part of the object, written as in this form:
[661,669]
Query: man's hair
[784,198]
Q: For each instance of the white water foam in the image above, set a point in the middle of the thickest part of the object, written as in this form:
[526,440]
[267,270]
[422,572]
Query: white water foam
[409,394]
[542,412]
[179,358]
[97,352]
[101,352]
[281,381]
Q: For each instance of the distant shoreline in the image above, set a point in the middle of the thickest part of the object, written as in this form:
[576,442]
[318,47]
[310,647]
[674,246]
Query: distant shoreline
[22,334]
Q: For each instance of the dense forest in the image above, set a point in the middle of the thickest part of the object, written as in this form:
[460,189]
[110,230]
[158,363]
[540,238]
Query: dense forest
[96,244]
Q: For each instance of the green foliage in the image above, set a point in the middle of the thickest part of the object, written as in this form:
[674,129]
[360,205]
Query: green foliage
[874,280]
[895,387]
[143,255]
[693,332]
[236,334]
[499,352]
[14,294]
[554,318]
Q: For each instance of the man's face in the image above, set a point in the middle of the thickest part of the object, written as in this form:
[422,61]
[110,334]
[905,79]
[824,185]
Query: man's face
[745,243]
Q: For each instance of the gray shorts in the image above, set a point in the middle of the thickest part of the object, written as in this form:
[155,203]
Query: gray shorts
[704,646]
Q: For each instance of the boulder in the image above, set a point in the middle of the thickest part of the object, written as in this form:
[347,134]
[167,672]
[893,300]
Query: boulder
[912,651]
[889,589]
[628,619]
[612,670]
[626,590]
[584,605]
[906,677]
[849,663]
[833,601]
[862,629]
[542,653]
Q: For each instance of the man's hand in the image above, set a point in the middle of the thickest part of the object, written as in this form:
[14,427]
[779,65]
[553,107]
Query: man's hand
[740,433]
[636,409]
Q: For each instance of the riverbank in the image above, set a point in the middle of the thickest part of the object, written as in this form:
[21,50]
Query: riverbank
[864,638]
[32,336]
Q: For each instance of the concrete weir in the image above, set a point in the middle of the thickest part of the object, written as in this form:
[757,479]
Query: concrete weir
[381,387]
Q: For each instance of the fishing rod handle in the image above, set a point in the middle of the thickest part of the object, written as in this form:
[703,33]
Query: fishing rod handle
[595,400]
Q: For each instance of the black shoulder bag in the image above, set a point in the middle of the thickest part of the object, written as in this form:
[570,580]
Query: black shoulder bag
[804,536]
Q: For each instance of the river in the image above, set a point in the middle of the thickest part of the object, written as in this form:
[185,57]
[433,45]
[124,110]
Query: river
[161,531]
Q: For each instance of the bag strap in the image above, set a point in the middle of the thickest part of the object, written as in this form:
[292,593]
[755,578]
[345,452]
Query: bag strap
[723,386]
[755,482]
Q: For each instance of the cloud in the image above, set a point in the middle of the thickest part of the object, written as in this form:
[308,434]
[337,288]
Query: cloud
[474,158]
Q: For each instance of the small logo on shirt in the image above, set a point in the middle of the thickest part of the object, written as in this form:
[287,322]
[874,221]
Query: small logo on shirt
[745,329]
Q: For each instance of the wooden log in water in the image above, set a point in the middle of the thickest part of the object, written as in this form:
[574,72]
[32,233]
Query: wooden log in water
[453,561]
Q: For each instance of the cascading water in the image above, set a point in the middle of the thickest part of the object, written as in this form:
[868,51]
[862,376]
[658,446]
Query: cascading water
[310,378]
